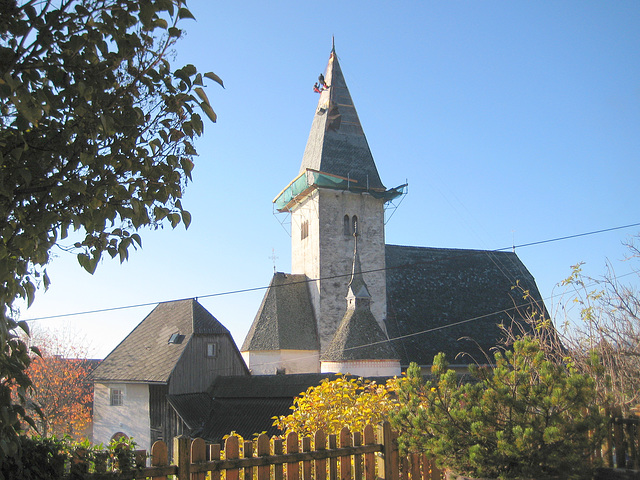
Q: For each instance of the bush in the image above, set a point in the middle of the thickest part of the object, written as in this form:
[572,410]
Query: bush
[524,417]
[39,458]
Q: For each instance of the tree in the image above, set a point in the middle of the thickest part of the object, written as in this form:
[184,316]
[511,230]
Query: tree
[62,395]
[606,342]
[525,417]
[334,404]
[603,339]
[96,139]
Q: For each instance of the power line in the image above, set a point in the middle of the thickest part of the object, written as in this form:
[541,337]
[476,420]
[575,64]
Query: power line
[254,289]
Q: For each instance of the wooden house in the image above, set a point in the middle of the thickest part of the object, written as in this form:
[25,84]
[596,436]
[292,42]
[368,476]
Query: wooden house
[179,348]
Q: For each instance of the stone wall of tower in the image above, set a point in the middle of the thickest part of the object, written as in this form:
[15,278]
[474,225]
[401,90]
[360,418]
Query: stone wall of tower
[326,253]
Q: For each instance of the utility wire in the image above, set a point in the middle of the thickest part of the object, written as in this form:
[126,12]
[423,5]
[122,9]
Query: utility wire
[254,289]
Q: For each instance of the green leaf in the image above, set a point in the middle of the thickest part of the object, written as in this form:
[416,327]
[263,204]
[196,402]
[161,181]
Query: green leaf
[206,108]
[185,13]
[203,96]
[215,78]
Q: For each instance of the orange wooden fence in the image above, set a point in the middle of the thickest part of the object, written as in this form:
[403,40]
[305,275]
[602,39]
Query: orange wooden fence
[368,455]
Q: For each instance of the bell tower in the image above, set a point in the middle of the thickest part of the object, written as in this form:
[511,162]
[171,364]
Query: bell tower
[336,194]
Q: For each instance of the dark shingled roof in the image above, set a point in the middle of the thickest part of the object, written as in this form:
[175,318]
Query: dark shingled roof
[285,319]
[244,404]
[146,355]
[359,327]
[337,144]
[429,288]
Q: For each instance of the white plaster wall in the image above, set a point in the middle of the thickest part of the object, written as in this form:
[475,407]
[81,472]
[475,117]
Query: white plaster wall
[364,368]
[327,254]
[267,362]
[131,418]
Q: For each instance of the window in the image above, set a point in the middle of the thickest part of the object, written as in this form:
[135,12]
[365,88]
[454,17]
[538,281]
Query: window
[354,229]
[304,230]
[176,338]
[116,397]
[346,226]
[211,349]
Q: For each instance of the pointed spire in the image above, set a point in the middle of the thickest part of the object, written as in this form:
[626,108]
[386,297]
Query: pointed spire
[337,144]
[357,288]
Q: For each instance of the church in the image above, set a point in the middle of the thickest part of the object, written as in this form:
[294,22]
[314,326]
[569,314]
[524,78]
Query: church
[352,303]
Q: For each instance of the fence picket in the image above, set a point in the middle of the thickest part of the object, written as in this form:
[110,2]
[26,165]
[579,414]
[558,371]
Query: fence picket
[278,469]
[232,451]
[333,461]
[248,453]
[198,454]
[306,465]
[214,454]
[320,445]
[345,461]
[293,468]
[357,458]
[159,457]
[263,450]
[369,458]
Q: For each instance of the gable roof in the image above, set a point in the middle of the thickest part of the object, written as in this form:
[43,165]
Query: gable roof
[285,319]
[146,355]
[451,301]
[337,144]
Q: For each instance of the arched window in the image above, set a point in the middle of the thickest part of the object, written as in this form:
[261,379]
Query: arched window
[354,225]
[346,227]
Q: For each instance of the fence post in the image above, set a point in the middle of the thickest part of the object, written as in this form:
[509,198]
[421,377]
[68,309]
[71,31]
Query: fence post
[369,458]
[182,456]
[320,444]
[385,465]
[231,452]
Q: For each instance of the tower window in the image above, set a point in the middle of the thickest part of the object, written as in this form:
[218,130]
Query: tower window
[354,225]
[304,230]
[346,226]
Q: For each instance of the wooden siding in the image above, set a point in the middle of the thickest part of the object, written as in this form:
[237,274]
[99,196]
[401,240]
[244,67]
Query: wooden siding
[194,372]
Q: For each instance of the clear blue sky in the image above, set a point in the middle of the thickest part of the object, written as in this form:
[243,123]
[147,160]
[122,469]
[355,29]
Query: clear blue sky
[511,121]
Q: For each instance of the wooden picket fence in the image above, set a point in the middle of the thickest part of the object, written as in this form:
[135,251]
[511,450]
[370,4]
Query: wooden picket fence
[368,455]
[621,448]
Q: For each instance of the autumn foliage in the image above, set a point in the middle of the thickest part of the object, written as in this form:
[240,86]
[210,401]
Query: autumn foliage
[334,404]
[61,389]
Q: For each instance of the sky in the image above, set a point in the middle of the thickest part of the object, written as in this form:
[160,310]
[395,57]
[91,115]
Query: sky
[513,122]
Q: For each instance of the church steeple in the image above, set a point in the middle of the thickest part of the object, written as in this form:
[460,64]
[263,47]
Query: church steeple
[337,144]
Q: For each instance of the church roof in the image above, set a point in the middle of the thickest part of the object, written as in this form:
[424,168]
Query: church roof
[152,350]
[285,320]
[451,301]
[337,144]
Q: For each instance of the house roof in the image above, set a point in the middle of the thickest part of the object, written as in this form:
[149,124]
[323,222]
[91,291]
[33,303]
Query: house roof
[285,319]
[452,301]
[146,355]
[244,404]
[337,144]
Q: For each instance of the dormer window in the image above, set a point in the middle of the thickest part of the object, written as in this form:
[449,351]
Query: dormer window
[175,339]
